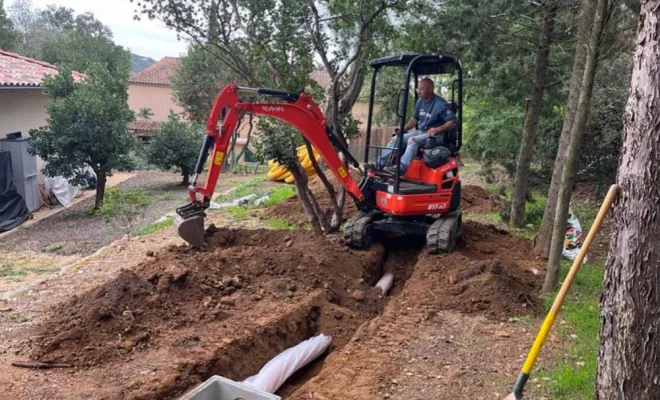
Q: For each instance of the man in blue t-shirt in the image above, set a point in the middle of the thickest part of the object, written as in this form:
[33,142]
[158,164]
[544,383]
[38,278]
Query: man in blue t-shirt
[433,116]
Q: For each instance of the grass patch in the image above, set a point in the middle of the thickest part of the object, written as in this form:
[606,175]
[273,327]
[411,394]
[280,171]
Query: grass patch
[11,271]
[279,195]
[154,227]
[237,212]
[586,214]
[20,293]
[167,196]
[77,214]
[243,189]
[17,318]
[572,374]
[484,218]
[44,270]
[54,247]
[278,223]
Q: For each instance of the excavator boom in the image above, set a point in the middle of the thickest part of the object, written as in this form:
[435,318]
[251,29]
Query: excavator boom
[299,110]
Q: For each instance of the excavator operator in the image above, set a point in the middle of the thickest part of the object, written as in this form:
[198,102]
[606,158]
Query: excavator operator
[433,117]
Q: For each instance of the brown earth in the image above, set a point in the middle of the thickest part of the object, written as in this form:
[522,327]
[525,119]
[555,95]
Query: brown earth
[291,210]
[478,199]
[158,330]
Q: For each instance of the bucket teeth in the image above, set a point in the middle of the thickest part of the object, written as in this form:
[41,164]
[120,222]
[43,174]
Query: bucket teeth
[191,229]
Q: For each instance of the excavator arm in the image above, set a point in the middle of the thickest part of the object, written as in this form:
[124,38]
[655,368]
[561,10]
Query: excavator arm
[300,111]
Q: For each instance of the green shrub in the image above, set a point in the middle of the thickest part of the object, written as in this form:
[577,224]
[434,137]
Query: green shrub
[123,208]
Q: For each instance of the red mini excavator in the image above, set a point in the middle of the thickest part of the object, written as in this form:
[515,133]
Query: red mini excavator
[425,201]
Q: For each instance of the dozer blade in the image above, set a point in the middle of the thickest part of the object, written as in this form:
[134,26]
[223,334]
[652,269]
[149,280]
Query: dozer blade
[191,229]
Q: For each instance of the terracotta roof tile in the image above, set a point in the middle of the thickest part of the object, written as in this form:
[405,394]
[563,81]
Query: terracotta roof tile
[16,70]
[143,125]
[159,73]
[322,78]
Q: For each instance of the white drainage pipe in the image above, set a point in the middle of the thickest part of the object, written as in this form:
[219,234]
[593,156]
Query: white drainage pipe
[385,283]
[279,369]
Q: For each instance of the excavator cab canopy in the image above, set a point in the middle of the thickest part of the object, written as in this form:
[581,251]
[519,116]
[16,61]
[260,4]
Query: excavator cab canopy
[417,66]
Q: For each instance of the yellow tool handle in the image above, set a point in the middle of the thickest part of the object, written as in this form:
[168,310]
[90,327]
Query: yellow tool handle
[577,263]
[552,314]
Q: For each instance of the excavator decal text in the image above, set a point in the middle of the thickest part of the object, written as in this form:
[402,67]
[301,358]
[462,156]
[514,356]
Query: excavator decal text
[272,109]
[342,172]
[219,156]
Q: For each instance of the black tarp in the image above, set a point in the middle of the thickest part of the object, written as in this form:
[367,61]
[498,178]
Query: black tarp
[13,210]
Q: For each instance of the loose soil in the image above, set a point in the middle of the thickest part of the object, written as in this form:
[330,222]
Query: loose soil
[160,328]
[478,199]
[291,211]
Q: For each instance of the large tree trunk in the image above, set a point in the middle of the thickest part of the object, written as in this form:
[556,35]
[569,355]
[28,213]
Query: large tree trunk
[577,132]
[100,188]
[521,183]
[629,351]
[542,245]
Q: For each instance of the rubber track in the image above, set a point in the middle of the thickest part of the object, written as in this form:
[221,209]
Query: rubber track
[442,235]
[355,227]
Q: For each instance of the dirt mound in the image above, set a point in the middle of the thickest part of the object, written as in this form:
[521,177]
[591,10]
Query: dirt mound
[182,287]
[292,212]
[490,272]
[187,314]
[476,198]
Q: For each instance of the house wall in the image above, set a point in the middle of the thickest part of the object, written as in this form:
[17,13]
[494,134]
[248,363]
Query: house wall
[20,111]
[159,99]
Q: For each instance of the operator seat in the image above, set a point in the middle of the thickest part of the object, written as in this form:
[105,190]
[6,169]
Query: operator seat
[435,153]
[437,150]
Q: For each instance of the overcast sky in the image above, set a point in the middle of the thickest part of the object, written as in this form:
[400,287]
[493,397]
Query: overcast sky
[145,38]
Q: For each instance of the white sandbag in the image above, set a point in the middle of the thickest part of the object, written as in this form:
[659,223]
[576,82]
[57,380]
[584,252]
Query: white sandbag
[573,237]
[244,199]
[261,199]
[285,364]
[64,192]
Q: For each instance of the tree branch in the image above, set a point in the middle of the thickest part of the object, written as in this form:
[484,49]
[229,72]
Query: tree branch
[361,37]
[277,77]
[503,32]
[316,40]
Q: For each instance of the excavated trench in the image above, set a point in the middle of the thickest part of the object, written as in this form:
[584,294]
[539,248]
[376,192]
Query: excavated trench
[229,309]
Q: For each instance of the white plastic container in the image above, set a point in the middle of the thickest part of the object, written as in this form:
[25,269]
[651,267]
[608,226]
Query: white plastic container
[220,388]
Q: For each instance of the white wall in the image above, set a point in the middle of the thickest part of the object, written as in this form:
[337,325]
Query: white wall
[20,111]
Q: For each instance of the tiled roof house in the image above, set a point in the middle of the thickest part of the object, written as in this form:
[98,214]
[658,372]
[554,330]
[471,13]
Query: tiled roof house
[152,88]
[22,98]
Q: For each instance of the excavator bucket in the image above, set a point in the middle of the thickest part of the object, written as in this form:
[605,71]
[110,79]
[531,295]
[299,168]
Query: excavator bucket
[191,229]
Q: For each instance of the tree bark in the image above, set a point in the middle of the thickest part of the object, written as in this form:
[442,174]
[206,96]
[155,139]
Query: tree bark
[521,183]
[186,178]
[629,351]
[301,180]
[101,179]
[572,158]
[542,243]
[328,187]
[247,140]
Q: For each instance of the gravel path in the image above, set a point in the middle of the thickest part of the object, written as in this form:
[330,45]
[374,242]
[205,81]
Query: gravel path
[75,231]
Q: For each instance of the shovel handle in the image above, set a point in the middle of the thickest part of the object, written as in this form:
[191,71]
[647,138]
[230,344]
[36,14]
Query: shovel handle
[552,314]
